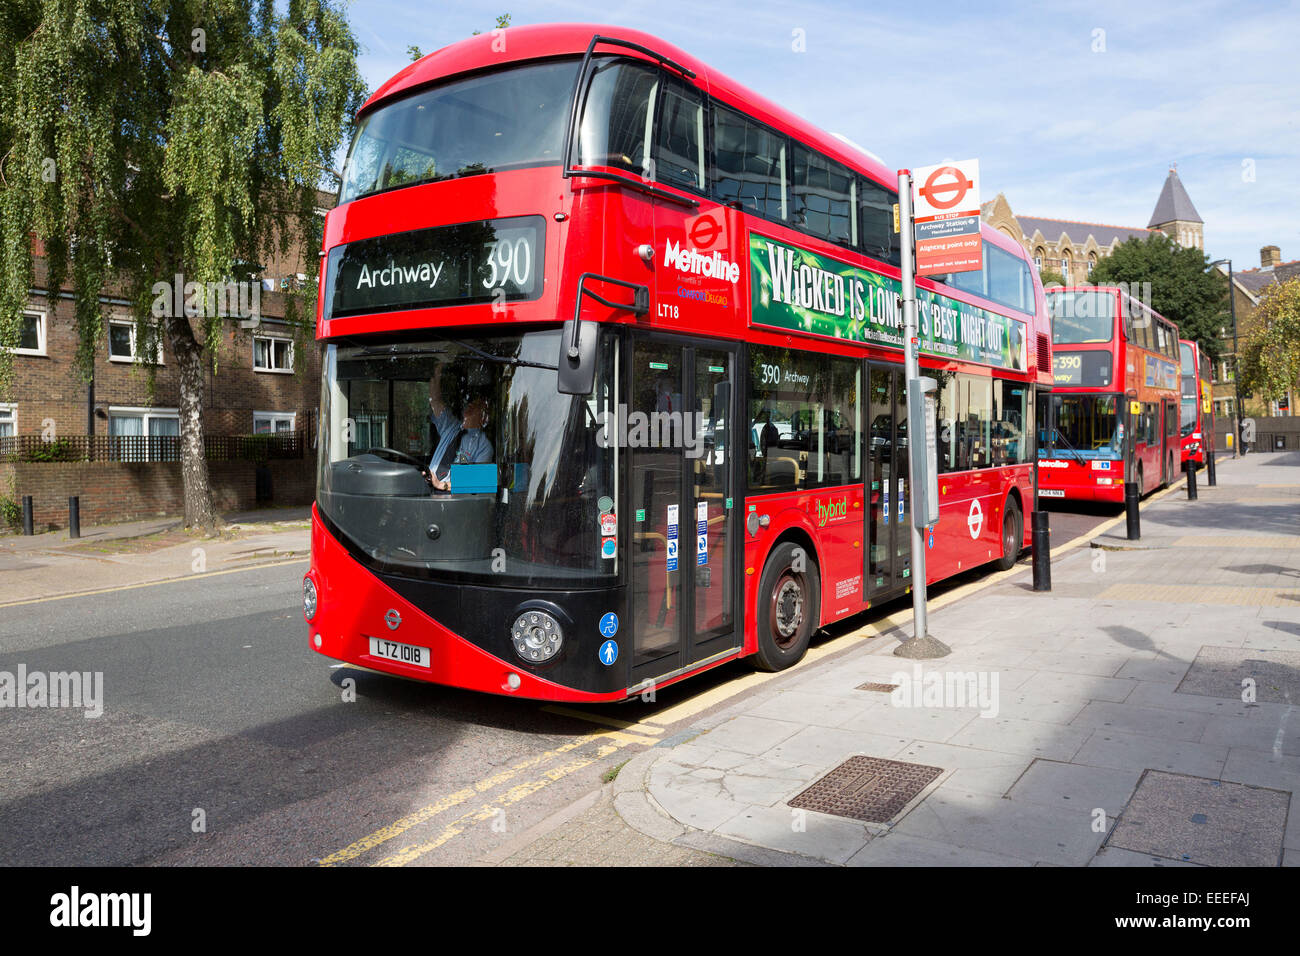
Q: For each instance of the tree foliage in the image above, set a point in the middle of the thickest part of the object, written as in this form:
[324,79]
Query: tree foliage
[1051,277]
[145,138]
[1270,358]
[415,53]
[1184,289]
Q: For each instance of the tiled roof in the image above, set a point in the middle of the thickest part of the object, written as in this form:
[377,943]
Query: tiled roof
[1174,203]
[1256,280]
[1078,231]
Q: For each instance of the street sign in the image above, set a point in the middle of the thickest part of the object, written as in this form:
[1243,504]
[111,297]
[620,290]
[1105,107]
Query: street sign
[946,211]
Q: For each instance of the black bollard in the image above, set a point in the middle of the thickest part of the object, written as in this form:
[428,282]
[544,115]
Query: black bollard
[1209,468]
[1189,467]
[1041,539]
[1131,495]
[74,516]
[27,515]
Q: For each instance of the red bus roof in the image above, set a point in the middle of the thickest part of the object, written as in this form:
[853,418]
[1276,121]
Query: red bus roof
[560,39]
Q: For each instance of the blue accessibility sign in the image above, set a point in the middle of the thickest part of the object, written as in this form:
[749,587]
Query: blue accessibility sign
[609,624]
[608,653]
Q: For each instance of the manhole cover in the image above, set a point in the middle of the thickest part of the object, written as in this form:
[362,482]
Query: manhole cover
[879,688]
[867,788]
[1198,820]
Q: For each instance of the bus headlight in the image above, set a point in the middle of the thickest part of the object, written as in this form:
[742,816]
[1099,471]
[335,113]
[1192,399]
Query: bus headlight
[537,636]
[308,598]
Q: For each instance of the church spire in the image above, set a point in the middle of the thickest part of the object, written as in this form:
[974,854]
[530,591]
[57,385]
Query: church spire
[1174,205]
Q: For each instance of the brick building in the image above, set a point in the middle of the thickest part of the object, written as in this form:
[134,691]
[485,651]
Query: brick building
[1248,286]
[114,441]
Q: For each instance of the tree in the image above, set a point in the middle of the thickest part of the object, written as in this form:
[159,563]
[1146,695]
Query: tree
[1184,289]
[1270,359]
[145,140]
[1051,277]
[415,53]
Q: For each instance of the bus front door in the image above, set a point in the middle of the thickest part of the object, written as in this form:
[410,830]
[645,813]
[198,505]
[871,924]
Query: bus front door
[684,547]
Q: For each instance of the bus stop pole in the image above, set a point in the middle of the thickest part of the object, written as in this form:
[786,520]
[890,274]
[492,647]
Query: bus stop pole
[921,646]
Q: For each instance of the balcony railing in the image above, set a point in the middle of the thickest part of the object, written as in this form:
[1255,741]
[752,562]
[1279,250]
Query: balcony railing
[147,448]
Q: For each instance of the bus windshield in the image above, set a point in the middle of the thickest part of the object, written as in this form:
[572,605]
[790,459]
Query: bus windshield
[460,455]
[1188,417]
[1089,426]
[503,120]
[1079,318]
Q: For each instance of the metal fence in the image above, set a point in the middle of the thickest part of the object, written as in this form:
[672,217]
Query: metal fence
[147,448]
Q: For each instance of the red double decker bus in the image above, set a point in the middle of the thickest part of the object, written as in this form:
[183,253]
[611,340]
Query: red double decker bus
[1196,421]
[613,382]
[1114,409]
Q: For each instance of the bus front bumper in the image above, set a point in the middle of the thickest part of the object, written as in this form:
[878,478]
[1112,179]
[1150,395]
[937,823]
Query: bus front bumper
[353,606]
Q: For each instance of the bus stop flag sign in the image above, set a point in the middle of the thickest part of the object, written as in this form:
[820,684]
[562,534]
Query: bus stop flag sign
[946,209]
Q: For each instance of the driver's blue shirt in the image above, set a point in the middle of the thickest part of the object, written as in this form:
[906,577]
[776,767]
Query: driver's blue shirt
[473,447]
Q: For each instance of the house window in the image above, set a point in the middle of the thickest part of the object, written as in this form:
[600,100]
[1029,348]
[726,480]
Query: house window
[267,423]
[144,434]
[31,334]
[272,355]
[122,342]
[8,421]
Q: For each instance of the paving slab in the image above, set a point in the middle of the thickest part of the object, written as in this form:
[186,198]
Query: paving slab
[1224,672]
[1211,822]
[1024,831]
[1123,751]
[1051,783]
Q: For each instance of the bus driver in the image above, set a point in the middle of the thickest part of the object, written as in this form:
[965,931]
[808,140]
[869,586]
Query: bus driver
[459,443]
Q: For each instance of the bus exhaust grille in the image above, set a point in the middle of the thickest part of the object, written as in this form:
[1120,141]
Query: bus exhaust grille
[870,789]
[1044,353]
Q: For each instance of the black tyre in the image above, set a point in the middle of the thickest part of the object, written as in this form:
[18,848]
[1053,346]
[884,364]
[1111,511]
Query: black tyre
[789,605]
[1013,533]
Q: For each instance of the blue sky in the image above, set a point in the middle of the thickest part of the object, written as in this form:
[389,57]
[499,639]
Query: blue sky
[1069,122]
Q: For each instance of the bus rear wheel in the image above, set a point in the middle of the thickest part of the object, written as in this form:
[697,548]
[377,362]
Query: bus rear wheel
[788,607]
[1013,533]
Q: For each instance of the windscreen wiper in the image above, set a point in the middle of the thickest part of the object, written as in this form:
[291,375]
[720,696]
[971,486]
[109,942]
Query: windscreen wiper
[1073,451]
[488,356]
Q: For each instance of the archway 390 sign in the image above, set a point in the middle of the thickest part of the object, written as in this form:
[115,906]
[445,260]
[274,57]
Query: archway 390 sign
[946,211]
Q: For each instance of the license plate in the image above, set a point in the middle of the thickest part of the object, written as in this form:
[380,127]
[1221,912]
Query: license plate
[405,653]
[1050,493]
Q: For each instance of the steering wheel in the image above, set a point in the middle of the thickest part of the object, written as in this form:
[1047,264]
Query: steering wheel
[392,454]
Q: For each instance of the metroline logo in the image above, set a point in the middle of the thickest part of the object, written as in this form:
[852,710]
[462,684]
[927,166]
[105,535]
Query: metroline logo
[694,263]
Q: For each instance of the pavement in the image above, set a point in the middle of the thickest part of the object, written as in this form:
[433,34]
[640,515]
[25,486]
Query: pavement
[41,566]
[1141,714]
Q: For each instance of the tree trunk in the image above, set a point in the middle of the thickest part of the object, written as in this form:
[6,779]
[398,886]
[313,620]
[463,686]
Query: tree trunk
[199,515]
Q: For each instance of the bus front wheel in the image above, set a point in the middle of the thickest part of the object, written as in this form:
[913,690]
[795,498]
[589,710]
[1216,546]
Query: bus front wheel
[1013,533]
[789,595]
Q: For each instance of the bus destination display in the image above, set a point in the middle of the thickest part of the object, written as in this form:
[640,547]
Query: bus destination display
[492,260]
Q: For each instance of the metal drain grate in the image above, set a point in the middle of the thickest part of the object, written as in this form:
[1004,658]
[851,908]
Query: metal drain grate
[879,688]
[867,788]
